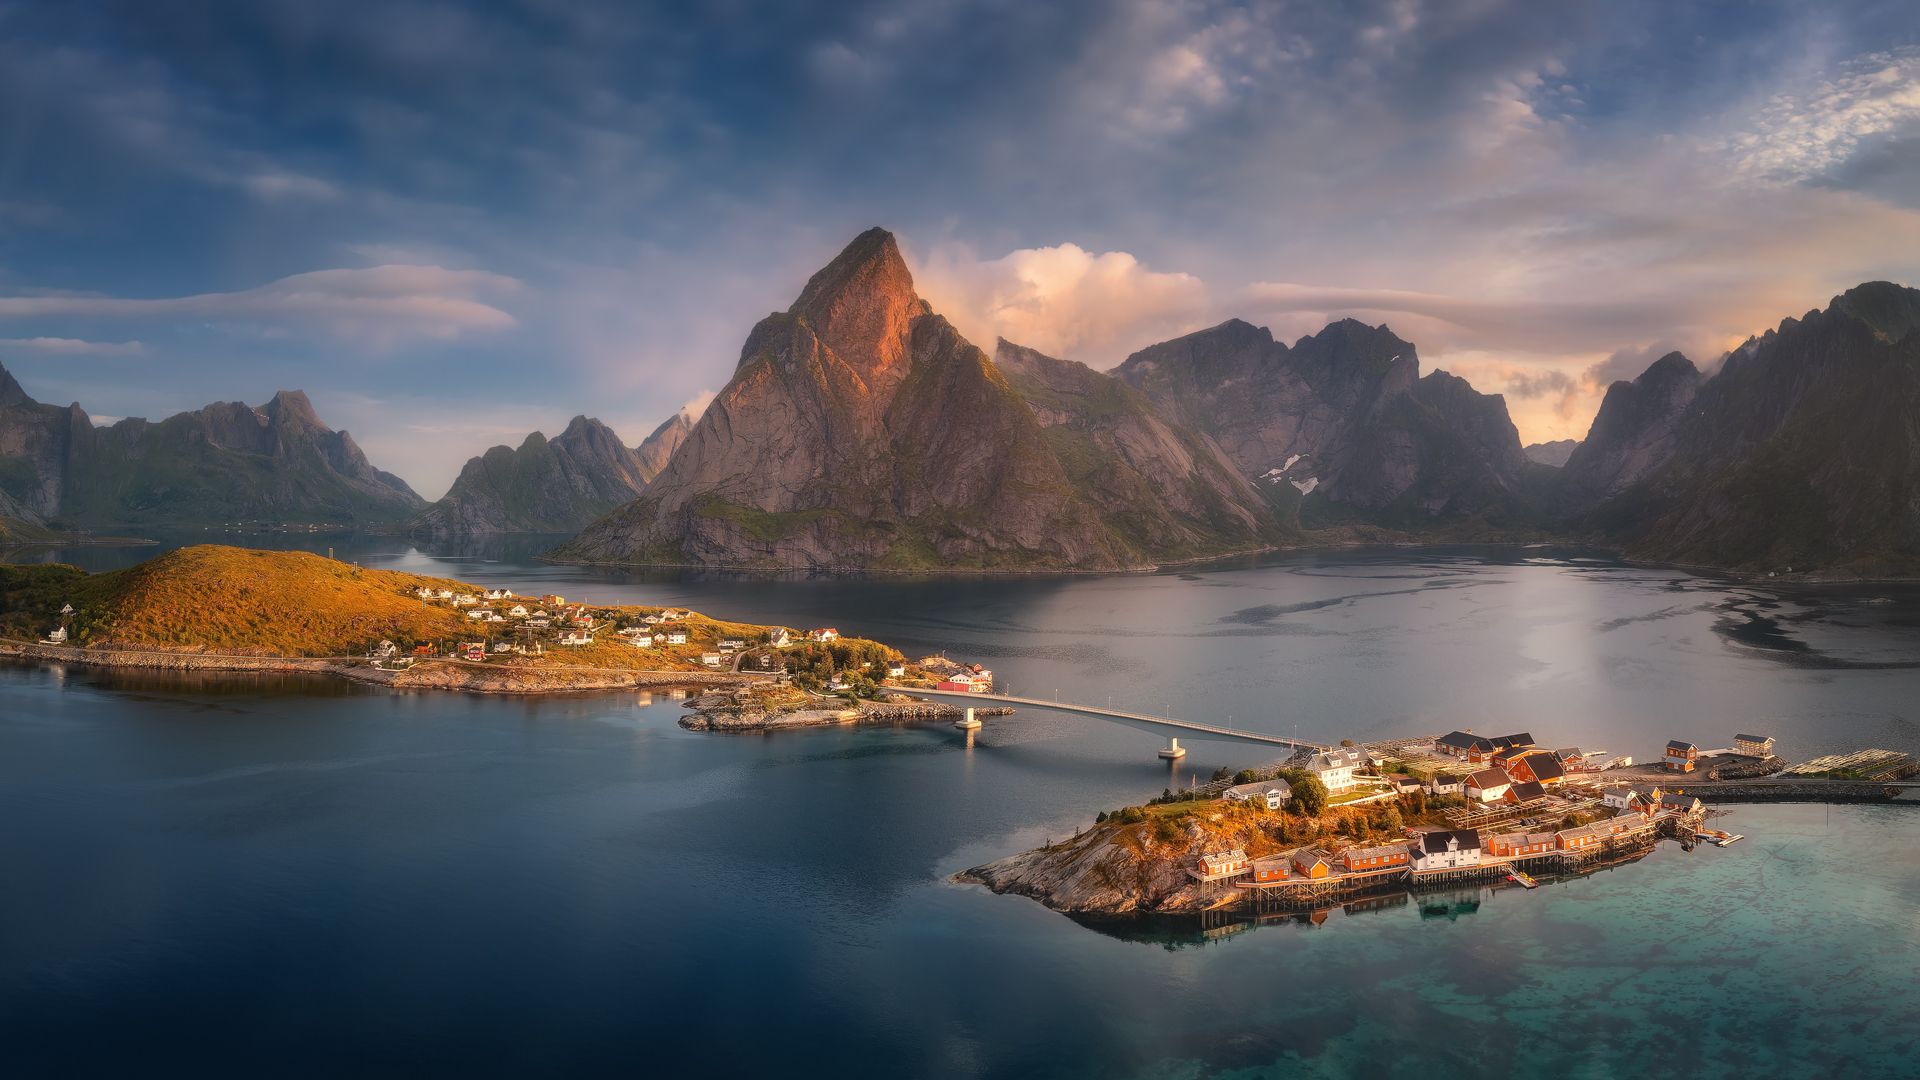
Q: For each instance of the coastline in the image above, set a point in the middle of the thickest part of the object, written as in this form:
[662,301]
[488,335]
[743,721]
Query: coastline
[446,675]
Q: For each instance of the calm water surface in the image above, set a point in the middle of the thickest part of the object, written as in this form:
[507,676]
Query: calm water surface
[246,876]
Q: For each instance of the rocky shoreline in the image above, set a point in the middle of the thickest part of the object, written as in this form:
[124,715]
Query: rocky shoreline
[428,675]
[720,712]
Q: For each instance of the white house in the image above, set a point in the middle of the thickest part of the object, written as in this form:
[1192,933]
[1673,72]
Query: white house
[445,594]
[896,669]
[1489,785]
[711,659]
[1335,769]
[827,633]
[732,644]
[676,637]
[576,638]
[1628,797]
[58,636]
[1446,784]
[384,650]
[641,641]
[1753,745]
[480,613]
[1444,849]
[499,594]
[465,600]
[780,637]
[518,611]
[1272,793]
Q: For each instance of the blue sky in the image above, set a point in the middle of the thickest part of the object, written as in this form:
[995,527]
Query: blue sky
[452,224]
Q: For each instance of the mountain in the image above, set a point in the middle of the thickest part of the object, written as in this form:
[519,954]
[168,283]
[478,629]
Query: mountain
[547,485]
[228,462]
[1633,433]
[1345,417]
[1552,454]
[656,448]
[861,430]
[1801,452]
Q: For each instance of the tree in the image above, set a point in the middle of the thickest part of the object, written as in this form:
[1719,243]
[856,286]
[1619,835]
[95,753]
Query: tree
[1309,794]
[1417,802]
[1100,818]
[1246,776]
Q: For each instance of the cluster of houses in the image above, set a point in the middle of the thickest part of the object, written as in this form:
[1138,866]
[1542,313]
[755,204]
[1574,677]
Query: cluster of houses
[1512,768]
[969,679]
[1432,850]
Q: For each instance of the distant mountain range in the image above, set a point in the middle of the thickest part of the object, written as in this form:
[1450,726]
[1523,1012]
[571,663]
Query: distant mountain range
[861,430]
[556,485]
[227,462]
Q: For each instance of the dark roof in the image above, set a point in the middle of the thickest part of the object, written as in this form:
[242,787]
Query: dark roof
[1435,842]
[1545,766]
[1445,778]
[1679,744]
[1487,778]
[1568,753]
[1529,789]
[1524,738]
[1753,738]
[1465,741]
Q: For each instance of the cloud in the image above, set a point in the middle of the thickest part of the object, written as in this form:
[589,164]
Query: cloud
[1063,300]
[697,406]
[1802,134]
[1522,384]
[59,346]
[378,304]
[1522,323]
[277,185]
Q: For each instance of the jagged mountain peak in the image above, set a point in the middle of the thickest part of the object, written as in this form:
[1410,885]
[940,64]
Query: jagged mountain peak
[11,392]
[1892,310]
[292,407]
[862,303]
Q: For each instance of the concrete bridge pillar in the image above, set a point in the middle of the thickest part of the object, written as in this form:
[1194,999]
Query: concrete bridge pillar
[1174,751]
[967,722]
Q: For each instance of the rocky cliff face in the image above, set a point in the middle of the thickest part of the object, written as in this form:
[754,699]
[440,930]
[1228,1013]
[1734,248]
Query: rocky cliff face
[1802,452]
[226,462]
[1343,416]
[861,430]
[1633,433]
[556,485]
[657,448]
[1553,454]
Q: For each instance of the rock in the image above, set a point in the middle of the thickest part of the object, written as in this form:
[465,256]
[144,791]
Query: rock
[860,430]
[227,462]
[556,485]
[1553,454]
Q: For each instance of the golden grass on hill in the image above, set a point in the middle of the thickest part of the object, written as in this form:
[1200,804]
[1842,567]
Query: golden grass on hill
[290,603]
[286,603]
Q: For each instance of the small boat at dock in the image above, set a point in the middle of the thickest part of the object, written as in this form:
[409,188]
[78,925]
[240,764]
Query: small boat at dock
[1717,837]
[1522,879]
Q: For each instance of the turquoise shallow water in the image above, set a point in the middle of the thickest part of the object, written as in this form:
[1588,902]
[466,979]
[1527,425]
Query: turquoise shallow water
[240,876]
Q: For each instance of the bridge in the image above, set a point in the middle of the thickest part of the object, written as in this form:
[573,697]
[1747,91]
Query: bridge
[1214,730]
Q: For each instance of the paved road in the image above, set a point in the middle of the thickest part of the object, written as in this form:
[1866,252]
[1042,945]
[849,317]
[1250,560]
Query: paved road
[1115,714]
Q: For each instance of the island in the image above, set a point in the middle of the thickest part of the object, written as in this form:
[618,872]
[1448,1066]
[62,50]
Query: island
[218,608]
[1340,824]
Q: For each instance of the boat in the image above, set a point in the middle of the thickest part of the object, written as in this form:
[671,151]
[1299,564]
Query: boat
[1717,837]
[1521,878]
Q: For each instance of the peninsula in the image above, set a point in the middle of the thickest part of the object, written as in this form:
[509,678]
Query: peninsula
[215,608]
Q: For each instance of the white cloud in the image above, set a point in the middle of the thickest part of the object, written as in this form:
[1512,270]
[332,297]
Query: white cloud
[1804,133]
[59,346]
[1064,300]
[697,407]
[278,185]
[378,304]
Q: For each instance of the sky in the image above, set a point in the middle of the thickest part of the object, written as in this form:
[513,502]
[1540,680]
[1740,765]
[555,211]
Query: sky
[452,224]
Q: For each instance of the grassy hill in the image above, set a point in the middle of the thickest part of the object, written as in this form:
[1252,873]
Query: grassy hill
[290,603]
[286,603]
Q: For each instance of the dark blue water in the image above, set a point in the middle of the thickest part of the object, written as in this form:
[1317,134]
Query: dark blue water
[284,877]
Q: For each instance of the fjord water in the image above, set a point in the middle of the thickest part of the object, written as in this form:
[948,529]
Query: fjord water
[298,877]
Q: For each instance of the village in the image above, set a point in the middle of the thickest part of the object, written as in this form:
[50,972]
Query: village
[1492,809]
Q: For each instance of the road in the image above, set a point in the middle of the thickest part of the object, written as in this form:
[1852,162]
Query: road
[1195,726]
